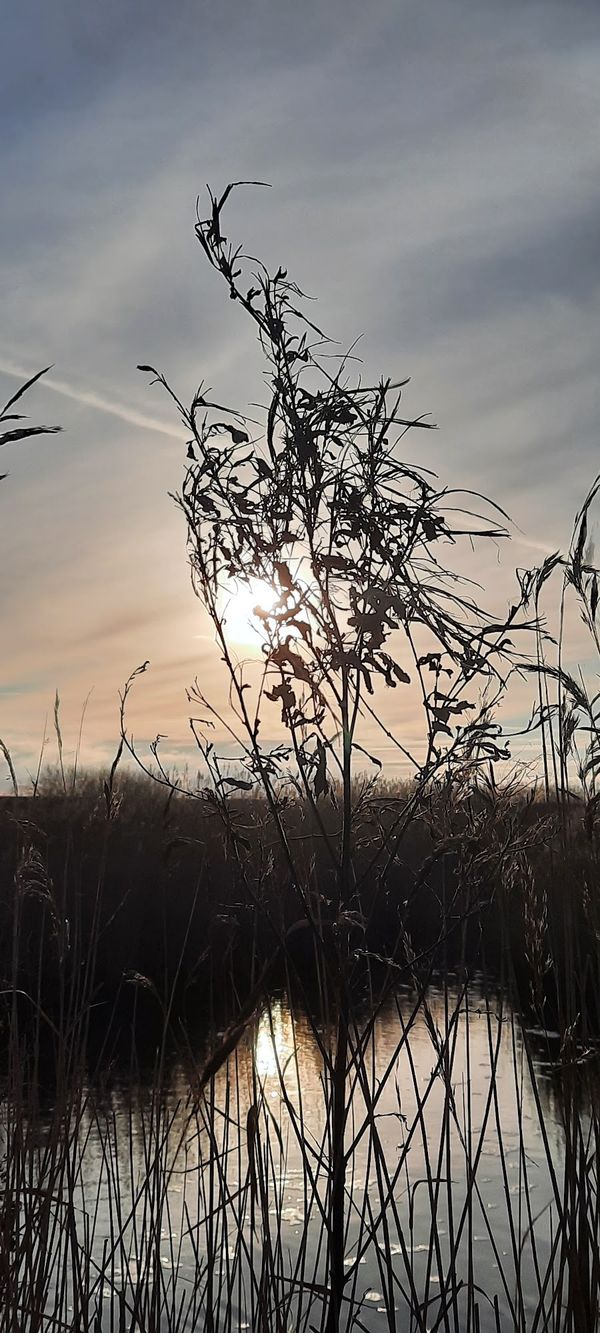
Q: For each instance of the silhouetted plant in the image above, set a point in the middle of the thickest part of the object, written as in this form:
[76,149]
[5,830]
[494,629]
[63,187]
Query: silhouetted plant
[569,712]
[13,433]
[356,546]
[175,1218]
[320,505]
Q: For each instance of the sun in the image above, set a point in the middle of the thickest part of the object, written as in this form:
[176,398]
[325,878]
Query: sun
[240,622]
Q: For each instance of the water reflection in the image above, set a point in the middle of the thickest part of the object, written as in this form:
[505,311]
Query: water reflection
[274,1043]
[215,1205]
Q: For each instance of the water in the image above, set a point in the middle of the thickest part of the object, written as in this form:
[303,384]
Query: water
[197,1207]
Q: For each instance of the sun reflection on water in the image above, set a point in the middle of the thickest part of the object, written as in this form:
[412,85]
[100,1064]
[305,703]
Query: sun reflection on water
[274,1042]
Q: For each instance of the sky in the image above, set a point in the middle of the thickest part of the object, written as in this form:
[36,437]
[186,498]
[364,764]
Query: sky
[435,173]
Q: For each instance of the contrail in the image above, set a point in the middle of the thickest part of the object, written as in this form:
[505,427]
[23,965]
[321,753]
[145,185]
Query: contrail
[88,398]
[541,547]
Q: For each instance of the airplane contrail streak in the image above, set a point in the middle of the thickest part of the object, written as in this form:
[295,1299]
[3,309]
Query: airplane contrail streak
[88,398]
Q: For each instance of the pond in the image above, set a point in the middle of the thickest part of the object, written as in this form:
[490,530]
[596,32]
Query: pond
[175,1209]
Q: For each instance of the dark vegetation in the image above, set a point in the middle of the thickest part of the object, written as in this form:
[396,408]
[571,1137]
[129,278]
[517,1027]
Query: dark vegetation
[131,906]
[155,890]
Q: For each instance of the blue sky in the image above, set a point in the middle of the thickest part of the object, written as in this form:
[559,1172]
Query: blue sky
[436,181]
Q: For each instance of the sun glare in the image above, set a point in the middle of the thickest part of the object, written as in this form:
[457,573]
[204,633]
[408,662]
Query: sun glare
[241,623]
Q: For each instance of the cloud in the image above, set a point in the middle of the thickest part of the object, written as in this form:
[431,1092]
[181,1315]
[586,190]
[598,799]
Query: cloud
[435,183]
